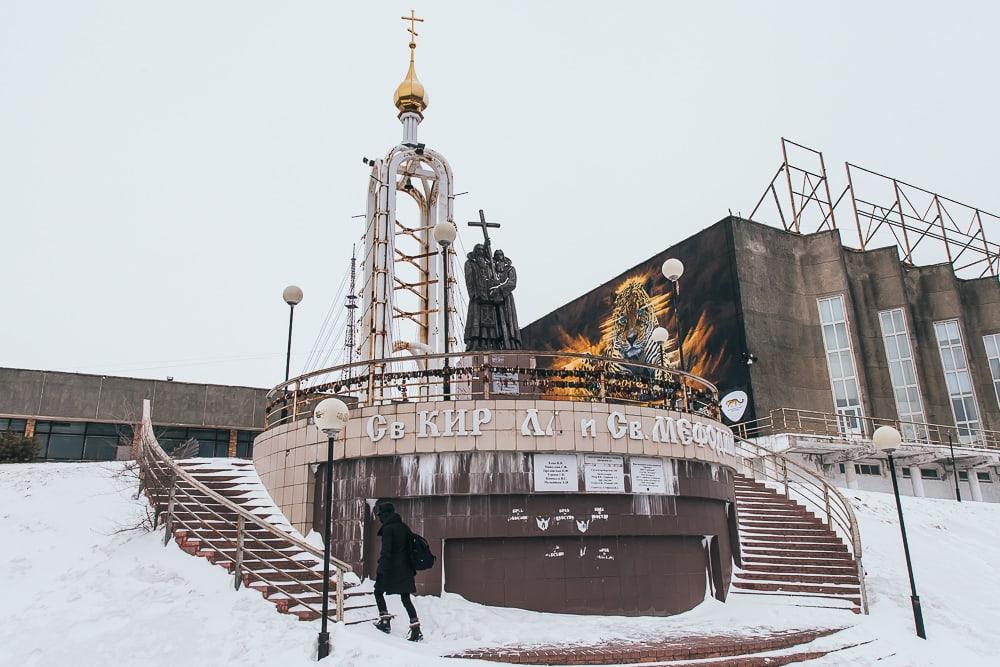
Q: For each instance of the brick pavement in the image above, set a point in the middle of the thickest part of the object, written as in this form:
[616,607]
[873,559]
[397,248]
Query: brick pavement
[731,650]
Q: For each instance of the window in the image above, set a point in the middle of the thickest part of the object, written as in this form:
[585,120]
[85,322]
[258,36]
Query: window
[906,473]
[929,473]
[963,475]
[840,362]
[211,441]
[864,469]
[959,382]
[984,476]
[244,443]
[992,343]
[80,441]
[903,374]
[15,425]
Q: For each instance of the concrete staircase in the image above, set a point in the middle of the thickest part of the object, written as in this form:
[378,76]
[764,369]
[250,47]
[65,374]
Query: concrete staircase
[205,527]
[790,554]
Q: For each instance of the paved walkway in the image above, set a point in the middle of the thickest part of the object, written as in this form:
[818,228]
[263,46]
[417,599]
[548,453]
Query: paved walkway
[733,650]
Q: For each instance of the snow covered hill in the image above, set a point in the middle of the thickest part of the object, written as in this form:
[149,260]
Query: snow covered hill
[78,588]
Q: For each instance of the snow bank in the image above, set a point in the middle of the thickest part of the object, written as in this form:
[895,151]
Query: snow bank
[76,592]
[955,549]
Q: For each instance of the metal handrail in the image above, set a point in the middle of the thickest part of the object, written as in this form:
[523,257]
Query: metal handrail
[815,491]
[471,375]
[161,477]
[834,425]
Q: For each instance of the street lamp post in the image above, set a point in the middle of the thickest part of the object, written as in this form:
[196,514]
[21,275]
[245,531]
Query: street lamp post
[658,336]
[444,233]
[887,439]
[954,468]
[330,416]
[673,269]
[293,297]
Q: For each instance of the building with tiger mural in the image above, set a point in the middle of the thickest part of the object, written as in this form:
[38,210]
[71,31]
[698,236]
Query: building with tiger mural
[813,344]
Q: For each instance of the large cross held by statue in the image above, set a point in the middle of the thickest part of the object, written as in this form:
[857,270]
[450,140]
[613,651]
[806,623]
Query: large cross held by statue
[486,226]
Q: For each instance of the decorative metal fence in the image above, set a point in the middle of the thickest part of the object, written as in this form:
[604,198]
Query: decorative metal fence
[476,375]
[832,425]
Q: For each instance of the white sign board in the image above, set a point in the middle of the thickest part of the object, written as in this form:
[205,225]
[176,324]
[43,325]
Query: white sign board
[603,473]
[556,472]
[734,405]
[647,475]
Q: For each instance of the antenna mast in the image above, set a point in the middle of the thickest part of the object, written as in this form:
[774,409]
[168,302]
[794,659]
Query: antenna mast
[351,304]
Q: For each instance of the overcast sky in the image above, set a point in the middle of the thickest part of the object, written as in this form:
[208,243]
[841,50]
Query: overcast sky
[166,168]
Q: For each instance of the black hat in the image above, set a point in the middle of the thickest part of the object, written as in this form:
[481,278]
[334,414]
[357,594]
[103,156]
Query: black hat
[384,509]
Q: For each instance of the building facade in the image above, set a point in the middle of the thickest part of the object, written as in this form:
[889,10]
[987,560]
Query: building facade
[80,417]
[819,339]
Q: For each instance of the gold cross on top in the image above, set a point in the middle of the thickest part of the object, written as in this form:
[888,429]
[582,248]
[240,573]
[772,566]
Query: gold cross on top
[412,18]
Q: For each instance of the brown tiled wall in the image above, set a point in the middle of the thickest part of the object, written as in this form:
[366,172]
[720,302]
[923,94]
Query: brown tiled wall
[627,575]
[484,505]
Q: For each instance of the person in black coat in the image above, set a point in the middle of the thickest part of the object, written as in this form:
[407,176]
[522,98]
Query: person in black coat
[395,574]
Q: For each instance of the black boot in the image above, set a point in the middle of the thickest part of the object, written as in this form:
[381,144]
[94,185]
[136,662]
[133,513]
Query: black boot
[384,623]
[415,634]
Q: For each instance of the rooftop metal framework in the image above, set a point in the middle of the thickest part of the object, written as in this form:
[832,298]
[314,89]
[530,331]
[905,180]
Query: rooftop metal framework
[885,210]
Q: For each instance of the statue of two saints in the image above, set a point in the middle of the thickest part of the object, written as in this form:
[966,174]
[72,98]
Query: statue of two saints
[492,320]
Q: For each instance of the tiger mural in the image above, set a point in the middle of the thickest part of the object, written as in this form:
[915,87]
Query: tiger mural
[632,322]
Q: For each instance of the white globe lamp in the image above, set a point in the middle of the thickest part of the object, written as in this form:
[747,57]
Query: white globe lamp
[887,439]
[331,416]
[673,269]
[444,233]
[292,295]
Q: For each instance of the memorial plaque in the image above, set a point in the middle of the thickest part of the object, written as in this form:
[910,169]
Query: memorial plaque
[555,472]
[603,473]
[647,475]
[506,383]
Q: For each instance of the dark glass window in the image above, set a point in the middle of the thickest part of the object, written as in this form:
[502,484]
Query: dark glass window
[69,427]
[929,473]
[65,446]
[100,448]
[15,425]
[42,441]
[963,476]
[984,476]
[43,427]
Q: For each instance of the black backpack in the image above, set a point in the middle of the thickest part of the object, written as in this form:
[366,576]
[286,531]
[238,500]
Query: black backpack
[420,553]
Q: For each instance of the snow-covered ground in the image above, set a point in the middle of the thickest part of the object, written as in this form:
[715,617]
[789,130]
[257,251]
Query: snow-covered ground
[75,591]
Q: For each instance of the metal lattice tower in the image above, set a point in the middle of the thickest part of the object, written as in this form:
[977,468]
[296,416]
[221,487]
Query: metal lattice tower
[351,304]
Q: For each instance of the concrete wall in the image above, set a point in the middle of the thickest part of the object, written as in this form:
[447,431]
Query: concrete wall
[782,275]
[78,396]
[981,316]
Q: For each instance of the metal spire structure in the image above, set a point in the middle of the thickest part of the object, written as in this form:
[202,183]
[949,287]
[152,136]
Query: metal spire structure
[399,264]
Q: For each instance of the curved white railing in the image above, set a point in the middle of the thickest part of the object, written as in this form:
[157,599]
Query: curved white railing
[801,484]
[233,533]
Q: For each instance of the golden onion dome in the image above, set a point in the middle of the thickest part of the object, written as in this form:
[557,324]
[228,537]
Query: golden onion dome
[410,94]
